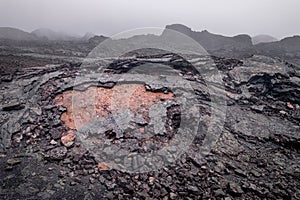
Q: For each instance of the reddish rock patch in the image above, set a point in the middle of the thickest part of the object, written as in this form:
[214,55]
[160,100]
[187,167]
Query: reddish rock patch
[98,102]
[103,167]
[68,139]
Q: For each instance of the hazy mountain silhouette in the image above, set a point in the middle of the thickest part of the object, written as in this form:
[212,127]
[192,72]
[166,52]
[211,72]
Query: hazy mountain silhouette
[216,44]
[9,33]
[263,39]
[88,36]
[287,48]
[97,39]
[52,35]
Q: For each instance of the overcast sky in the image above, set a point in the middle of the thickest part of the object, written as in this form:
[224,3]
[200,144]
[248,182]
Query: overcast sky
[229,17]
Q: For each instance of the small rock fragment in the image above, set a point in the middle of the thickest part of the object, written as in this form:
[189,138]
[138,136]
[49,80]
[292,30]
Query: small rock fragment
[6,78]
[8,168]
[55,134]
[256,108]
[282,112]
[92,180]
[13,106]
[240,172]
[68,140]
[53,142]
[103,167]
[203,167]
[193,189]
[199,174]
[219,193]
[151,180]
[166,198]
[90,187]
[13,161]
[72,183]
[234,189]
[62,108]
[255,173]
[58,153]
[18,137]
[173,195]
[289,105]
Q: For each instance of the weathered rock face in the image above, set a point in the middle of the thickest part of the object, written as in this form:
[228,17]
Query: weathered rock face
[255,156]
[98,102]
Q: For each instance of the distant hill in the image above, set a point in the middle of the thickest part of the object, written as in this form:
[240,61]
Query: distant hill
[263,39]
[53,35]
[97,39]
[287,45]
[287,48]
[293,41]
[15,34]
[88,36]
[216,44]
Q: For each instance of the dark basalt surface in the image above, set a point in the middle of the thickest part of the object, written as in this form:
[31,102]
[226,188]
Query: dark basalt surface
[256,155]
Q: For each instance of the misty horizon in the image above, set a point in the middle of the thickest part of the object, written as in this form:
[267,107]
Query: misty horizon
[78,35]
[233,17]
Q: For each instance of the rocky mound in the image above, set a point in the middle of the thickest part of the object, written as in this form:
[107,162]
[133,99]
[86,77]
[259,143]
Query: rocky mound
[256,154]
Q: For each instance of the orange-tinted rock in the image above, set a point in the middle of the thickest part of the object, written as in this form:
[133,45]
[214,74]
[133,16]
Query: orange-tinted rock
[103,167]
[289,105]
[98,102]
[151,180]
[68,139]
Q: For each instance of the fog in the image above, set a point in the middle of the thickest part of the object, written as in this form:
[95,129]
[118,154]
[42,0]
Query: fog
[229,17]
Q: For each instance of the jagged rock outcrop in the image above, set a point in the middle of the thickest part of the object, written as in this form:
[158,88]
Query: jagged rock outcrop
[217,44]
